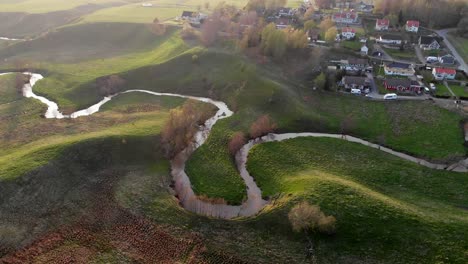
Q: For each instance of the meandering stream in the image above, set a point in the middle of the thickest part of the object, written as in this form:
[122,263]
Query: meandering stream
[183,188]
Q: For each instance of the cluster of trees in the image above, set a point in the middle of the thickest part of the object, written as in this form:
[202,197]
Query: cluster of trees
[157,28]
[182,125]
[265,4]
[434,13]
[276,42]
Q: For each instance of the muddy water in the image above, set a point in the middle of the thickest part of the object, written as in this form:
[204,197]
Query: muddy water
[183,187]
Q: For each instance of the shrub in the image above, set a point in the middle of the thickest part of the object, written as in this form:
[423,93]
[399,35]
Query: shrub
[237,141]
[262,126]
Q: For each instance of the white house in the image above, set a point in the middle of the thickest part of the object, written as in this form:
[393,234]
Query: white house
[348,33]
[382,24]
[286,12]
[389,39]
[412,26]
[364,50]
[444,73]
[399,69]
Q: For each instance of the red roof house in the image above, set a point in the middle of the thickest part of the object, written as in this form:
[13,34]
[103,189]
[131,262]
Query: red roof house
[412,25]
[382,24]
[444,73]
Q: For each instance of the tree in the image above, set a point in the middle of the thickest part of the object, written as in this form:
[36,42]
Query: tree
[237,141]
[254,5]
[262,126]
[400,17]
[157,28]
[110,85]
[274,42]
[274,4]
[188,32]
[348,124]
[20,81]
[324,4]
[309,24]
[308,13]
[320,81]
[207,5]
[181,127]
[462,28]
[209,30]
[297,39]
[326,24]
[393,19]
[310,219]
[330,35]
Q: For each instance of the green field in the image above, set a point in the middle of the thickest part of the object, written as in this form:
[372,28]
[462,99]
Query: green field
[461,44]
[402,55]
[459,90]
[55,173]
[385,207]
[44,6]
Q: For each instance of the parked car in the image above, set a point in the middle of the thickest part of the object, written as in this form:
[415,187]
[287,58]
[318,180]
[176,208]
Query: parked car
[433,87]
[356,91]
[390,96]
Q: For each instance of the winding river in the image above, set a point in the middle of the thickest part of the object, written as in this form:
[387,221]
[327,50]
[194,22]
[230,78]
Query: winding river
[183,188]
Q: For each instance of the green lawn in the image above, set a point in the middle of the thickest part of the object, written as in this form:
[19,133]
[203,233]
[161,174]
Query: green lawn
[459,90]
[402,55]
[44,6]
[385,207]
[352,45]
[441,89]
[461,44]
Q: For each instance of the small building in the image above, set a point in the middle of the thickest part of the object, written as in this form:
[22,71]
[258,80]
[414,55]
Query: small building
[399,69]
[444,73]
[282,22]
[447,59]
[313,34]
[364,50]
[402,85]
[412,26]
[345,17]
[348,33]
[354,65]
[355,82]
[390,39]
[285,12]
[382,24]
[428,43]
[194,18]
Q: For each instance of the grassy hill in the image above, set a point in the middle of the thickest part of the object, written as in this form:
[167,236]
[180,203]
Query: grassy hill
[385,207]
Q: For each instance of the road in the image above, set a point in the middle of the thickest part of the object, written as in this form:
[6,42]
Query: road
[387,57]
[443,33]
[420,54]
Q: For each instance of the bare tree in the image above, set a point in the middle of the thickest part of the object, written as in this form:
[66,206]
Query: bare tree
[262,126]
[237,141]
[310,218]
[348,124]
[209,31]
[157,28]
[110,85]
[20,80]
[182,125]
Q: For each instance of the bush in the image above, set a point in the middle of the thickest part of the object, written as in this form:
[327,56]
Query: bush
[262,126]
[237,141]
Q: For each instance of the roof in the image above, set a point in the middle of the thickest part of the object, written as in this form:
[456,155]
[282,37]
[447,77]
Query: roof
[284,10]
[187,13]
[448,59]
[445,71]
[283,21]
[364,47]
[398,65]
[357,61]
[348,29]
[392,37]
[355,80]
[342,15]
[382,22]
[395,82]
[412,23]
[426,40]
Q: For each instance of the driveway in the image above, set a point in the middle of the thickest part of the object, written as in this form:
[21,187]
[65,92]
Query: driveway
[420,54]
[443,33]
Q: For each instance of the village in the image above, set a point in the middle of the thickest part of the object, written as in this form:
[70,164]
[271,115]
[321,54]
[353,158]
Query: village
[385,55]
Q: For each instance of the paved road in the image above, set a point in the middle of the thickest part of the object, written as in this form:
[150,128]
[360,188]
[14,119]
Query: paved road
[420,54]
[443,33]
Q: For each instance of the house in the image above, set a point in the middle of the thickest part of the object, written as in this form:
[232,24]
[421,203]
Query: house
[382,24]
[348,33]
[285,12]
[193,17]
[313,34]
[399,69]
[428,43]
[447,59]
[402,85]
[390,39]
[364,50]
[412,26]
[353,64]
[282,22]
[444,73]
[355,82]
[345,17]
[363,7]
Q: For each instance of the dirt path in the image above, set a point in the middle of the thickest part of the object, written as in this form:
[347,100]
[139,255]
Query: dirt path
[183,188]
